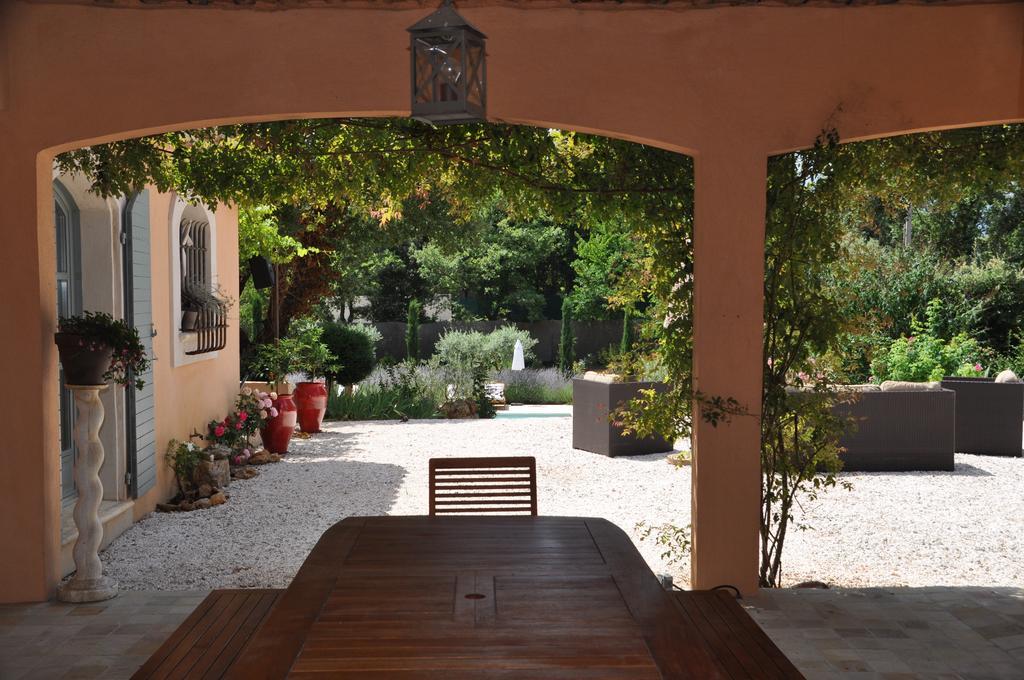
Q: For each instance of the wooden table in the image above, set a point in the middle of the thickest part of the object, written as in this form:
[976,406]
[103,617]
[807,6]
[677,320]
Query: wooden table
[475,597]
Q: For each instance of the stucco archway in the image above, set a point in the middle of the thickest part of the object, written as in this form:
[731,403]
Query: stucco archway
[729,85]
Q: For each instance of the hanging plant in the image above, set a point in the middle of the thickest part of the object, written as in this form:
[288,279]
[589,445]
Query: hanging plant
[95,348]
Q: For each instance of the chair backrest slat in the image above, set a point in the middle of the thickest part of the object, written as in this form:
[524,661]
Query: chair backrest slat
[504,485]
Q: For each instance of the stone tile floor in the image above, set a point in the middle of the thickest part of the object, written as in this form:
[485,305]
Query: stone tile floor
[103,640]
[898,633]
[866,634]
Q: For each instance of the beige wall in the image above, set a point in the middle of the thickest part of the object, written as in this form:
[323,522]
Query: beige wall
[187,397]
[730,85]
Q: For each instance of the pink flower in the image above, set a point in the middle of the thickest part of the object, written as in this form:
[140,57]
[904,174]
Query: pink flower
[243,416]
[977,367]
[238,425]
[219,431]
[273,412]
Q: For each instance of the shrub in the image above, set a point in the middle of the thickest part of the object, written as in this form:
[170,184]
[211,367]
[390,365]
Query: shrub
[389,393]
[460,353]
[354,349]
[484,408]
[926,356]
[500,343]
[303,351]
[536,386]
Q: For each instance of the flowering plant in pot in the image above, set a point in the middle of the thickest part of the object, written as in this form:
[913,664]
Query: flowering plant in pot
[314,360]
[95,349]
[253,410]
[275,361]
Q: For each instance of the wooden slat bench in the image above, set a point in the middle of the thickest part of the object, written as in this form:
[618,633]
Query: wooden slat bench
[209,640]
[737,643]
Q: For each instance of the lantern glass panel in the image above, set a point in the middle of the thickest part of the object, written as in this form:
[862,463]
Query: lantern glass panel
[475,73]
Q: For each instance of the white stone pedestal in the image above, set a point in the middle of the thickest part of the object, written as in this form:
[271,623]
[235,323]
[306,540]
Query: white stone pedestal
[88,584]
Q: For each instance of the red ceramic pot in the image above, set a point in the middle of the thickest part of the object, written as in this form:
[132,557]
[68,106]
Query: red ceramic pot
[311,400]
[277,433]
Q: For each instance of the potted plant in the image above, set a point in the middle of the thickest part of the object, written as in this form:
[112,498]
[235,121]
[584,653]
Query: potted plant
[95,348]
[315,361]
[197,299]
[275,361]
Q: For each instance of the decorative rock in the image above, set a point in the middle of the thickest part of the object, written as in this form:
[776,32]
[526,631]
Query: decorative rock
[204,491]
[186,506]
[458,408]
[203,504]
[246,472]
[166,507]
[219,498]
[215,473]
[261,457]
[275,458]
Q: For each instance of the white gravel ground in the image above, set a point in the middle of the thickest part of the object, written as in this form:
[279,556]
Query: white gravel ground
[959,528]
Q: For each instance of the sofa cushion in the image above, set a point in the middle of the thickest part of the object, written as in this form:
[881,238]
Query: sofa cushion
[867,387]
[903,386]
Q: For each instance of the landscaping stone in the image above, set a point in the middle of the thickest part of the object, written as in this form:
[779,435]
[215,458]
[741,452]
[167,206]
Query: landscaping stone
[213,473]
[246,472]
[218,498]
[202,504]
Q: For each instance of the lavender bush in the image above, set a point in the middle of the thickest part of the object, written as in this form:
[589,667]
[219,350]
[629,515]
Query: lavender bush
[535,386]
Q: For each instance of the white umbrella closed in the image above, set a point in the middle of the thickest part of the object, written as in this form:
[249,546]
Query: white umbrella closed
[518,360]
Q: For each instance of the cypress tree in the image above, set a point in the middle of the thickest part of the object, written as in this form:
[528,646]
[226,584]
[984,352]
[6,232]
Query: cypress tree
[627,332]
[412,331]
[567,342]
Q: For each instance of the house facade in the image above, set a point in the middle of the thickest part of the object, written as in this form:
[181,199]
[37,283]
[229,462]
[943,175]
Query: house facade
[730,84]
[131,257]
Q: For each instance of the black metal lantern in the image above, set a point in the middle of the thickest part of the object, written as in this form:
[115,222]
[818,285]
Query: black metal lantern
[449,73]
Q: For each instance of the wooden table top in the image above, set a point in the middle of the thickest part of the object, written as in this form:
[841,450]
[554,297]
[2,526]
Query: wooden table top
[475,597]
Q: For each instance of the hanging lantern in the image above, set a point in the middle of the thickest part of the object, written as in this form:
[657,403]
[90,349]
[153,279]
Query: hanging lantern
[449,73]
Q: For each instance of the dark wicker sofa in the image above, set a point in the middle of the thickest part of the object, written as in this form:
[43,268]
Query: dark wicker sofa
[988,415]
[899,431]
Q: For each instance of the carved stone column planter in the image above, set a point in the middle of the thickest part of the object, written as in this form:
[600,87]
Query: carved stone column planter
[88,584]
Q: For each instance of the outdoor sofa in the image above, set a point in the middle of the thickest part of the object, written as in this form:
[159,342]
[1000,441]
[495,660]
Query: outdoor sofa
[904,427]
[989,417]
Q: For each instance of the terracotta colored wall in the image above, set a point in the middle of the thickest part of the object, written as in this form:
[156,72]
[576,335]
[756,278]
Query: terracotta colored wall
[731,84]
[187,397]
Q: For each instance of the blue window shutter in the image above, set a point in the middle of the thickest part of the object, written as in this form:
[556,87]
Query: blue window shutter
[143,401]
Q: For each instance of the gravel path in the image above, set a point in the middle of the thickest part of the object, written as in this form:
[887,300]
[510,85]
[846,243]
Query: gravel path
[959,528]
[260,537]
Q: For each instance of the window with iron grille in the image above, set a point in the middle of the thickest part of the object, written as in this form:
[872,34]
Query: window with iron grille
[198,294]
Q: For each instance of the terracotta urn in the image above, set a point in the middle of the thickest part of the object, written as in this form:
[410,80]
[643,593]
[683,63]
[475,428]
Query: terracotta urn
[311,400]
[277,434]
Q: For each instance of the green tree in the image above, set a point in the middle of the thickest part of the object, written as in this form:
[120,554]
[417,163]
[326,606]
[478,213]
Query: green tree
[603,255]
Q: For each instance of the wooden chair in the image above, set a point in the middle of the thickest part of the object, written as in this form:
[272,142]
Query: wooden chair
[483,485]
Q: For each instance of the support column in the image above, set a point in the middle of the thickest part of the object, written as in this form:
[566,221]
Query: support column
[729,219]
[29,452]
